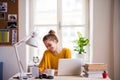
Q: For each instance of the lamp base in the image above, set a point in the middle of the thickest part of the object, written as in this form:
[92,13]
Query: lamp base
[23,76]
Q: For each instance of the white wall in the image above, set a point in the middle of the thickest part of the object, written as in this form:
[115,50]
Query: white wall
[103,33]
[102,38]
[7,53]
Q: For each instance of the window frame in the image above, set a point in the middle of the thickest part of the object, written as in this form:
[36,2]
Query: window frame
[59,18]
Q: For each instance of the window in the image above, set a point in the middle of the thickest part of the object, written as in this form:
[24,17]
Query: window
[66,17]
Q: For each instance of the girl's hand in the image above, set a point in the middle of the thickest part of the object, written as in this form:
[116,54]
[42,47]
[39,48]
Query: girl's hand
[41,72]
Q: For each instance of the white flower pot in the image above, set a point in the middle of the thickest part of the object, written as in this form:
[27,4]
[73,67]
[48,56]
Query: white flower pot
[81,56]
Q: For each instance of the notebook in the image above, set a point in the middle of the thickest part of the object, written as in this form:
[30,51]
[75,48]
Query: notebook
[69,67]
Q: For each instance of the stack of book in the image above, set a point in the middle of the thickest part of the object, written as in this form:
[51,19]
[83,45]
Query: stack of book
[94,70]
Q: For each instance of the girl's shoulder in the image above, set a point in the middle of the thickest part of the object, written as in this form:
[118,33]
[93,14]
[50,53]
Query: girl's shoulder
[65,49]
[47,52]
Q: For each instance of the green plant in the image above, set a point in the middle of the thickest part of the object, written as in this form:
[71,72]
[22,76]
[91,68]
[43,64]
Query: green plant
[81,42]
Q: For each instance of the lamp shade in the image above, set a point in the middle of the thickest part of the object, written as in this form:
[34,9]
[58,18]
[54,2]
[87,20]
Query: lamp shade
[32,41]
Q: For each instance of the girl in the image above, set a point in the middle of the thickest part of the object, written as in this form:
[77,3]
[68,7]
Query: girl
[53,53]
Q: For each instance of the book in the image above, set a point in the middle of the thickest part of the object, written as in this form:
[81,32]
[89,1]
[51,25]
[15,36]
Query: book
[95,67]
[93,74]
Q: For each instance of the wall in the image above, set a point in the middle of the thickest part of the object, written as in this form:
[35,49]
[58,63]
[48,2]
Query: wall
[103,33]
[7,53]
[116,30]
[102,38]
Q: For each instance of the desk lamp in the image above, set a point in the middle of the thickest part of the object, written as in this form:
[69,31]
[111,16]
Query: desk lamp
[29,40]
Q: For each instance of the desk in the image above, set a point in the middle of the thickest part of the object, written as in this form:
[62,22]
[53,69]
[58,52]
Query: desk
[65,78]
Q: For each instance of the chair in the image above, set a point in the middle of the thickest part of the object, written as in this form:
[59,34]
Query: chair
[1,70]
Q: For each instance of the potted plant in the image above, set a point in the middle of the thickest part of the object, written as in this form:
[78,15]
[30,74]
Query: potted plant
[81,42]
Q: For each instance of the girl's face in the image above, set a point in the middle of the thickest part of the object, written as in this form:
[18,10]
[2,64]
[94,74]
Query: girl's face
[51,45]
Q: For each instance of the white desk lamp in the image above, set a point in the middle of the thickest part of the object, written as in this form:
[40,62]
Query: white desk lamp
[30,40]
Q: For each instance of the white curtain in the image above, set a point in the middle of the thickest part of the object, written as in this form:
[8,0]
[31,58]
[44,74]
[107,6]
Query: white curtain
[116,29]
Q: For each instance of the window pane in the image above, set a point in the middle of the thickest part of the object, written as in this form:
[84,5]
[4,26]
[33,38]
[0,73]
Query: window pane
[71,17]
[69,34]
[73,12]
[42,31]
[45,12]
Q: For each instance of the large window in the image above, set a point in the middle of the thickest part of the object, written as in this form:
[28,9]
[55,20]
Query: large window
[66,17]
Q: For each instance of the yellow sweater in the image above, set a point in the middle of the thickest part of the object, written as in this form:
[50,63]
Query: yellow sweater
[50,60]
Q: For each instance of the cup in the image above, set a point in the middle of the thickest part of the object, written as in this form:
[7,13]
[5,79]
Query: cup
[50,72]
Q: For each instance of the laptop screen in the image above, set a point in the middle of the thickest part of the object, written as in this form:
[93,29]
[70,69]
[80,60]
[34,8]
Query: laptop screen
[69,67]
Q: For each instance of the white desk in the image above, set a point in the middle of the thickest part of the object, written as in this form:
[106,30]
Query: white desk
[65,78]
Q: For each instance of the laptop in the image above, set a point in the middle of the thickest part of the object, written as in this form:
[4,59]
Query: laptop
[69,67]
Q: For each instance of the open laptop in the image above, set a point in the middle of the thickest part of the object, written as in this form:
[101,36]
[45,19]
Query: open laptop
[69,67]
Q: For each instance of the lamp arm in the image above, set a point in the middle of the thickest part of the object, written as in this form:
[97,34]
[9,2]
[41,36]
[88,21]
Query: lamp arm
[16,45]
[22,41]
[21,69]
[18,60]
